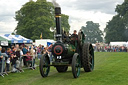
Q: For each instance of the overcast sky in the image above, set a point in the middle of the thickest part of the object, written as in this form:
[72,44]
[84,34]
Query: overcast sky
[79,11]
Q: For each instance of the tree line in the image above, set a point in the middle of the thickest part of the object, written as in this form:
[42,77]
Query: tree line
[37,17]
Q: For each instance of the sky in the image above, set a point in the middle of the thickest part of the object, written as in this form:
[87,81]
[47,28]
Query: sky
[79,12]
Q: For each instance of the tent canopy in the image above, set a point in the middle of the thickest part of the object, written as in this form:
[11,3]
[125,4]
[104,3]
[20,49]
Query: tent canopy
[24,40]
[17,38]
[4,41]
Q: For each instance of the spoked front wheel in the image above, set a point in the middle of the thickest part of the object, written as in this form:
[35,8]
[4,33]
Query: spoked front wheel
[44,65]
[76,65]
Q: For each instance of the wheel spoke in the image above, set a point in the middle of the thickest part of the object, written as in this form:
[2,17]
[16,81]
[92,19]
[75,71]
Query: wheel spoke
[44,69]
[90,57]
[90,50]
[90,63]
[77,65]
[44,61]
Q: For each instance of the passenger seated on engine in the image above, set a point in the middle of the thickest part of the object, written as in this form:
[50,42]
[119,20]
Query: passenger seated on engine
[29,60]
[65,37]
[74,37]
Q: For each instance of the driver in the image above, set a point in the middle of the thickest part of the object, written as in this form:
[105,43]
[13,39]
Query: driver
[74,35]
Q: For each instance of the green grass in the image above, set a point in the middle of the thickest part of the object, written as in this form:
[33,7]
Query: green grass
[110,69]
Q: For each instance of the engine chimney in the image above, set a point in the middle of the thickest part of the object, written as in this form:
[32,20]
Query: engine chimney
[58,23]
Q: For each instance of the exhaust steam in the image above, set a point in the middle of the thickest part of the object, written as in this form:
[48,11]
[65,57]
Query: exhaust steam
[55,3]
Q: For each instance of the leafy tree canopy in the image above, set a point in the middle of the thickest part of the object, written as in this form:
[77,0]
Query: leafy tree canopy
[64,22]
[117,28]
[92,32]
[37,17]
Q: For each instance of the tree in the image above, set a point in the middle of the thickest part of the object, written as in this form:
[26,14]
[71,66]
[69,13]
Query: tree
[92,32]
[35,18]
[117,28]
[64,22]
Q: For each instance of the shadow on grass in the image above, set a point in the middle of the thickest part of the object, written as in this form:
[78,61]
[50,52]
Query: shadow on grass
[63,75]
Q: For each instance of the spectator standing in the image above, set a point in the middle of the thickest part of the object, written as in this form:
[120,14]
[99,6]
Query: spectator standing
[32,53]
[50,51]
[8,59]
[39,52]
[18,58]
[25,50]
[13,59]
[21,58]
[1,57]
[5,56]
[0,50]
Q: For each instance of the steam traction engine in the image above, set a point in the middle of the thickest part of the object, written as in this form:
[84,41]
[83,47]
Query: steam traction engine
[68,51]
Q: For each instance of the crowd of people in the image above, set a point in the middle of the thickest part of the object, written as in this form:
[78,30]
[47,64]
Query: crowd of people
[42,50]
[12,59]
[16,57]
[108,48]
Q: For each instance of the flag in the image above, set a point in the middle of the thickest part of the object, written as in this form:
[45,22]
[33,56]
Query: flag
[41,36]
[63,29]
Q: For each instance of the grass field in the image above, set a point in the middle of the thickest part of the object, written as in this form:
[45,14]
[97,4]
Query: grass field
[110,69]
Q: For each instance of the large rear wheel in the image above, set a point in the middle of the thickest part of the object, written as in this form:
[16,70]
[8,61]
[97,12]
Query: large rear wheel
[88,57]
[76,65]
[44,65]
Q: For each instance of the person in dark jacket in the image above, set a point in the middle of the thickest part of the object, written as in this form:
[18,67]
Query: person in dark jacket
[13,59]
[24,57]
[74,37]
